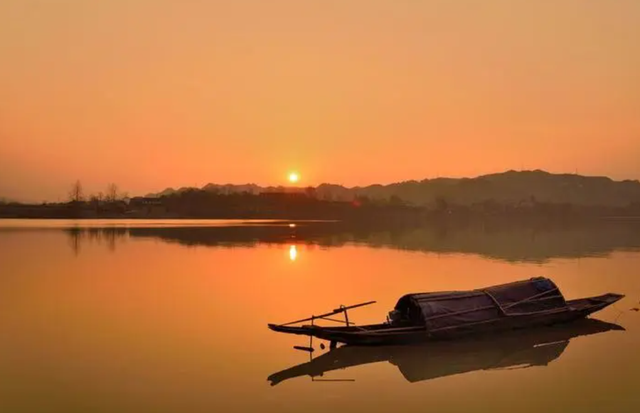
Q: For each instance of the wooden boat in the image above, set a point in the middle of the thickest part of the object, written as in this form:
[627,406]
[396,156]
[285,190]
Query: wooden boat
[535,347]
[443,315]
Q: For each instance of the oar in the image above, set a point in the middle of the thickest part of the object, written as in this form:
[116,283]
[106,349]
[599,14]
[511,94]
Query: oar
[336,311]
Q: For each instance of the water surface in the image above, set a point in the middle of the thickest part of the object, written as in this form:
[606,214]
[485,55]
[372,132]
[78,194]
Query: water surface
[155,316]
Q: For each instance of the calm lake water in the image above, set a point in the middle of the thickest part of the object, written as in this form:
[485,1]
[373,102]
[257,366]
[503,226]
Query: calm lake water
[148,316]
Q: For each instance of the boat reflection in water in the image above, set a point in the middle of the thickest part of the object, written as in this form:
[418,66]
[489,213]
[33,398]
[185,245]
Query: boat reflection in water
[516,349]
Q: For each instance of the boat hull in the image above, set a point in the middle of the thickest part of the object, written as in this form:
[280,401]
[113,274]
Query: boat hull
[386,334]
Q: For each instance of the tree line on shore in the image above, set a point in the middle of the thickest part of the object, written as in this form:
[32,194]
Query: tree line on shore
[111,194]
[303,203]
[197,202]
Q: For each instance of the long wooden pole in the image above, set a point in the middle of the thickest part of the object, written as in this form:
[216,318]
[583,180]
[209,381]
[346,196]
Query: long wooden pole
[336,311]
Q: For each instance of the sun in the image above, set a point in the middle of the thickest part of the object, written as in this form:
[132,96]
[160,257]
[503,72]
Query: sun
[294,177]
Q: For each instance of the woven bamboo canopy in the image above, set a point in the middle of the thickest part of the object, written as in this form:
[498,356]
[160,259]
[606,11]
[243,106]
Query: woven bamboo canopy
[447,310]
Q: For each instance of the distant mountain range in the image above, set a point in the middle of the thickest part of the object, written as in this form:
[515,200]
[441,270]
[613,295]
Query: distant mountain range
[510,187]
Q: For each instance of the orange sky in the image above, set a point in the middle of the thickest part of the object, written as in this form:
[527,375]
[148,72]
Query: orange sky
[157,93]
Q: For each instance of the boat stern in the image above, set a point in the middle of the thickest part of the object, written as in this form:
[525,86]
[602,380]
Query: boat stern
[602,301]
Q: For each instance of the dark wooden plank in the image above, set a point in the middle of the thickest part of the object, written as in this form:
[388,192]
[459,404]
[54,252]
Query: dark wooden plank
[336,311]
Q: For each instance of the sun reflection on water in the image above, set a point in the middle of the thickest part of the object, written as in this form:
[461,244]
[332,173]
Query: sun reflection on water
[293,252]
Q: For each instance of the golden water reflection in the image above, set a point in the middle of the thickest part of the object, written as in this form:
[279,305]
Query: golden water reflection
[176,319]
[293,252]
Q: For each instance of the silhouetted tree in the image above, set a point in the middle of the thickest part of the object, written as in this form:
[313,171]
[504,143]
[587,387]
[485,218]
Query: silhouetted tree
[96,200]
[76,193]
[112,193]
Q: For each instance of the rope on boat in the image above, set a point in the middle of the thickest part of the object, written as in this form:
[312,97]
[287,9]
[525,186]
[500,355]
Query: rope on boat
[621,312]
[488,307]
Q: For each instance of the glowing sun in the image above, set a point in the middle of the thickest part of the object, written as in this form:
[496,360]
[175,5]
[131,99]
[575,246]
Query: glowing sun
[294,177]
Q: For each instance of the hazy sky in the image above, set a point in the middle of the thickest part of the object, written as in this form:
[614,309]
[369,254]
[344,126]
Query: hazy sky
[157,93]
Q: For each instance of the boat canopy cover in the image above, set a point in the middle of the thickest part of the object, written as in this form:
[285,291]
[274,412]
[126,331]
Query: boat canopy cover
[443,310]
